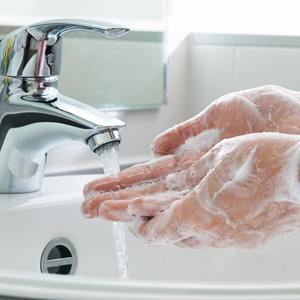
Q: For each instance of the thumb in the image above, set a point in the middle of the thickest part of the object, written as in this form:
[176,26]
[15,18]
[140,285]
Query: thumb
[169,141]
[182,220]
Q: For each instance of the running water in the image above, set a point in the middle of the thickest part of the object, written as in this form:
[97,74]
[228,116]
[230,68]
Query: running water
[110,163]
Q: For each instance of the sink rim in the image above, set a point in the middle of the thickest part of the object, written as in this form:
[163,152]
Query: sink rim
[37,286]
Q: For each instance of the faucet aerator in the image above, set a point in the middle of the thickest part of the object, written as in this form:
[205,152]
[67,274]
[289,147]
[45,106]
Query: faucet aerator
[104,140]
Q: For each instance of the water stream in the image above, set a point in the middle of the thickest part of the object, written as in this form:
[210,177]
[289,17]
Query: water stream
[110,163]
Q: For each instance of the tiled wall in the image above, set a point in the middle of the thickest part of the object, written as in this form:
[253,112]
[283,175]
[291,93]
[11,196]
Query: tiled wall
[217,67]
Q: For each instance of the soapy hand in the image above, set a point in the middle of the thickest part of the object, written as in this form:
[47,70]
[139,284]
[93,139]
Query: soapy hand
[222,198]
[263,109]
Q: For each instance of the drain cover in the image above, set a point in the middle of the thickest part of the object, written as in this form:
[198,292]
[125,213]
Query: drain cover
[59,257]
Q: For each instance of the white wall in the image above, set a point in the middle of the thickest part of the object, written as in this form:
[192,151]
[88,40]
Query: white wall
[26,12]
[279,17]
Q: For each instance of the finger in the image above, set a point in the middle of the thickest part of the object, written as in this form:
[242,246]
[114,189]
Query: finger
[146,172]
[143,206]
[177,184]
[129,210]
[170,140]
[175,224]
[91,205]
[192,176]
[163,229]
[186,159]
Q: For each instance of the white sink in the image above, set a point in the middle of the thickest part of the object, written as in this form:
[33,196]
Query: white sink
[29,221]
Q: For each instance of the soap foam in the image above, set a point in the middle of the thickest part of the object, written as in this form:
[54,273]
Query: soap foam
[201,141]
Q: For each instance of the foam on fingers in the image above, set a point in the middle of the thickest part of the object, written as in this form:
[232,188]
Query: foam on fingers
[192,176]
[170,140]
[143,206]
[136,175]
[96,199]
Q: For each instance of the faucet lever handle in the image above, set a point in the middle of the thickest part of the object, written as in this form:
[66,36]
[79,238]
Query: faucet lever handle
[56,28]
[35,50]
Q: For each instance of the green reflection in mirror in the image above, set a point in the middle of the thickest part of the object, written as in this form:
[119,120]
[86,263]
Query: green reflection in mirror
[122,73]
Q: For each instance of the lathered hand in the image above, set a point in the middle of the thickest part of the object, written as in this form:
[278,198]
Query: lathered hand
[186,198]
[268,108]
[242,192]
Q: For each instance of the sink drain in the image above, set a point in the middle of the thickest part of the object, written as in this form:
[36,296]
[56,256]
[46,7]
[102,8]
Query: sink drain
[59,257]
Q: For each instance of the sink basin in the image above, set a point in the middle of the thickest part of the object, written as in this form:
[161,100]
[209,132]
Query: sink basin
[29,222]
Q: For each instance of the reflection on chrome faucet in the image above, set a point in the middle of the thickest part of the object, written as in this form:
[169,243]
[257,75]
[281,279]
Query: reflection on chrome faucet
[34,116]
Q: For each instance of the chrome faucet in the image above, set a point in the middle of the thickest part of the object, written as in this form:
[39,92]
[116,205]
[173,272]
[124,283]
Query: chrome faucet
[34,116]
